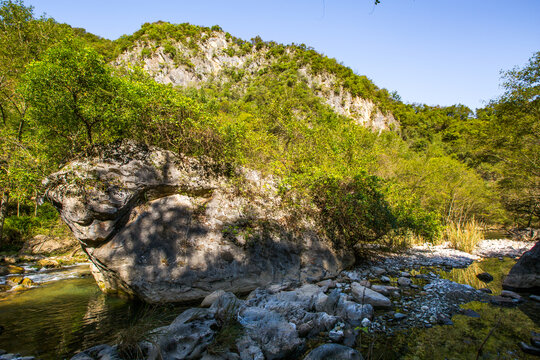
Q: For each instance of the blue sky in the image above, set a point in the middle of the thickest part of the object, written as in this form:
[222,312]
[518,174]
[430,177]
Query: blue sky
[430,51]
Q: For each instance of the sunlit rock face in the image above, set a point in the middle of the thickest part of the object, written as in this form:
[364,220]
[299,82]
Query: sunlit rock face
[167,228]
[525,275]
[218,54]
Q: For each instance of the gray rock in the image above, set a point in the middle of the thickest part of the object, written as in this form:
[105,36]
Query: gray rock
[525,274]
[399,316]
[470,313]
[336,335]
[485,277]
[225,305]
[353,312]
[249,349]
[534,297]
[365,283]
[535,339]
[209,299]
[365,295]
[502,301]
[187,337]
[99,352]
[403,281]
[511,294]
[385,279]
[378,271]
[327,284]
[276,337]
[386,290]
[224,356]
[169,228]
[333,352]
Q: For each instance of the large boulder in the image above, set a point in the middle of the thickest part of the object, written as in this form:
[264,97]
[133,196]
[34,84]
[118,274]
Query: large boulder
[168,228]
[525,274]
[44,244]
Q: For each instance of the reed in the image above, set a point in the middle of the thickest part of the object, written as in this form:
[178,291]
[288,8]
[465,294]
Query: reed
[463,236]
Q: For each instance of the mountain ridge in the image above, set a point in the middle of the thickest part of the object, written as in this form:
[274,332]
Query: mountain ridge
[188,55]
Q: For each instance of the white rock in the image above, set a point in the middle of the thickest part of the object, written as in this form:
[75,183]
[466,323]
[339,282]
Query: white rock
[365,295]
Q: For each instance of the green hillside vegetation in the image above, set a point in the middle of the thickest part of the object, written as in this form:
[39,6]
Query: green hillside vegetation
[60,98]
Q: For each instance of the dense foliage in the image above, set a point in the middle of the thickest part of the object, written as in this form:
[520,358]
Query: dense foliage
[61,96]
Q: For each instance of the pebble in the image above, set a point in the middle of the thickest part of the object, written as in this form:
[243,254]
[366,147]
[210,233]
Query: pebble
[446,321]
[485,277]
[336,335]
[510,294]
[399,316]
[403,281]
[385,279]
[365,283]
[366,322]
[470,313]
[502,301]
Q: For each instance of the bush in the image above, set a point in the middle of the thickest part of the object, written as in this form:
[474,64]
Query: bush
[353,209]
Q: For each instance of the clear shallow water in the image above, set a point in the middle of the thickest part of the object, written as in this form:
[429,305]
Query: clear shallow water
[45,275]
[58,319]
[463,339]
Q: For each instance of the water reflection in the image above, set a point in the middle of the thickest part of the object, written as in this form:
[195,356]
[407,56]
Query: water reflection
[497,268]
[463,339]
[58,319]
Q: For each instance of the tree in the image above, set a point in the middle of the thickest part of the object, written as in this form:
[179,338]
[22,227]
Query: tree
[73,96]
[22,39]
[511,141]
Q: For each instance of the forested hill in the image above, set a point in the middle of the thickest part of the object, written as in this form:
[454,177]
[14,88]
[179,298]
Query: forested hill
[371,166]
[188,55]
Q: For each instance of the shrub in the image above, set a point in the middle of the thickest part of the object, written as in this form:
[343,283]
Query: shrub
[353,209]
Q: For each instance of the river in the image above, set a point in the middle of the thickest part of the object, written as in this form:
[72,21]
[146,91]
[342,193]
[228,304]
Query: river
[68,313]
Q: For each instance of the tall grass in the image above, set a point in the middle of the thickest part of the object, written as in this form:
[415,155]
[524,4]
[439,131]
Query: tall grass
[463,236]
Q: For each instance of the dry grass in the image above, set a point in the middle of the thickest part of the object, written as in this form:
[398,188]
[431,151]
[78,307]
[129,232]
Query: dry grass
[464,237]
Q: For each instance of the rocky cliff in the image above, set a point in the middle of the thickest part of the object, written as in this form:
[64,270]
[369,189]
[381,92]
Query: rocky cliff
[215,56]
[167,228]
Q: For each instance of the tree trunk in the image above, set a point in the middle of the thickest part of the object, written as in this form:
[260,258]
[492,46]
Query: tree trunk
[89,134]
[36,204]
[3,213]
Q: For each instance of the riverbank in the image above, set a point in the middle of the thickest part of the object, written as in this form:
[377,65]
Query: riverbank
[430,291]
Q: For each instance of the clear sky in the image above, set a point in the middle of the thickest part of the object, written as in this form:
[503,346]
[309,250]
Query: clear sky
[430,51]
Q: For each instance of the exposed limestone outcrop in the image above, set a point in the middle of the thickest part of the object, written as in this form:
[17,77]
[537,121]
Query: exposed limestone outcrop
[217,55]
[167,228]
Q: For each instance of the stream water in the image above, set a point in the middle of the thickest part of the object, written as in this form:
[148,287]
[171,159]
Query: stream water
[59,318]
[463,340]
